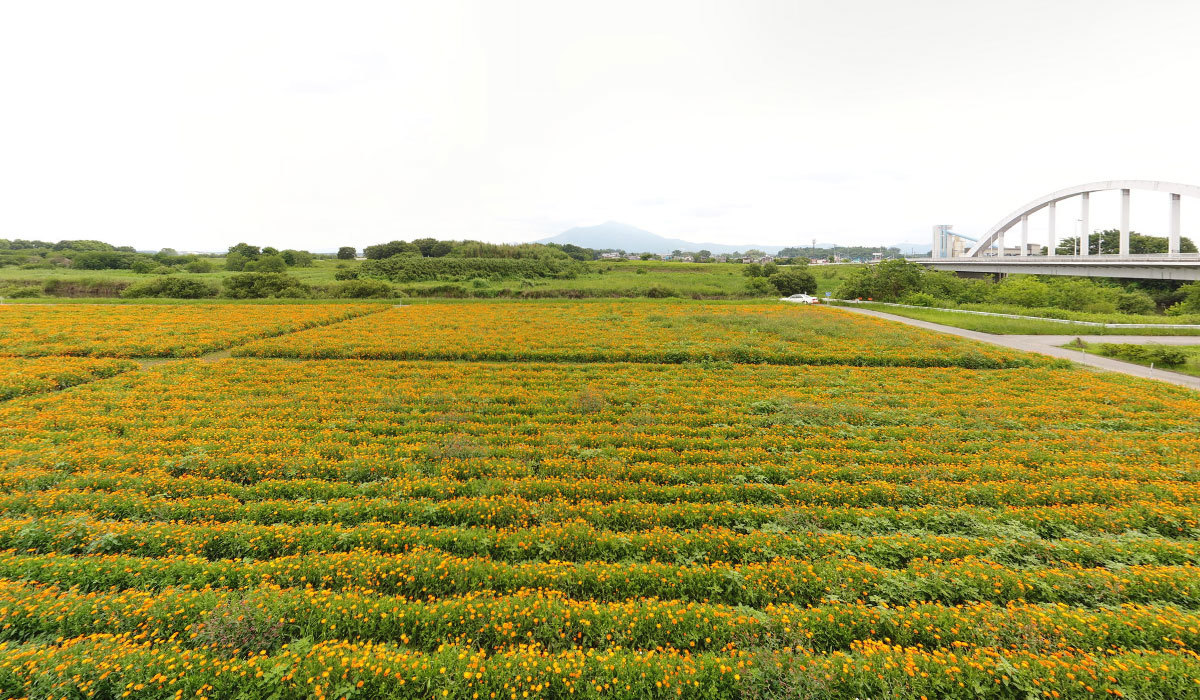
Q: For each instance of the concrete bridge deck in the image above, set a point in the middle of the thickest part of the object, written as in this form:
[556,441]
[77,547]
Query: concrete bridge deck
[1184,267]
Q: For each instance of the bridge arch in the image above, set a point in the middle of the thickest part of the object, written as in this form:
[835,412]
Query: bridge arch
[1020,216]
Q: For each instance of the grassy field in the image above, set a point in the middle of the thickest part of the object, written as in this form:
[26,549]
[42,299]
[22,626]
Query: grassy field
[620,278]
[1017,326]
[318,521]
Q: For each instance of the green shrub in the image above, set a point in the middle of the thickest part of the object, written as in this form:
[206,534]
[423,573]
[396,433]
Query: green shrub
[886,281]
[171,288]
[260,285]
[143,266]
[199,266]
[920,299]
[404,268]
[267,263]
[1135,303]
[362,289]
[1020,290]
[760,286]
[13,291]
[1163,355]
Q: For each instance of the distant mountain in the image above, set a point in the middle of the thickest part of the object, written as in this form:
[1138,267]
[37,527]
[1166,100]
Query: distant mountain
[631,239]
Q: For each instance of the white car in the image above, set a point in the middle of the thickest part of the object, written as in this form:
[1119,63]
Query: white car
[802,299]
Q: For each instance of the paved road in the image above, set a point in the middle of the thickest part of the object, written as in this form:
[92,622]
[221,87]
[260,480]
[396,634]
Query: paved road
[1047,345]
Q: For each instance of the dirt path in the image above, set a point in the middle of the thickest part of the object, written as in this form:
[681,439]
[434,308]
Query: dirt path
[1047,345]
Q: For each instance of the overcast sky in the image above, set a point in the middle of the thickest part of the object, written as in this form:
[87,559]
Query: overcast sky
[313,125]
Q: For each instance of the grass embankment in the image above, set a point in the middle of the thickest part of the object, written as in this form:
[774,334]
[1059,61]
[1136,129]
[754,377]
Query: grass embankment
[1017,326]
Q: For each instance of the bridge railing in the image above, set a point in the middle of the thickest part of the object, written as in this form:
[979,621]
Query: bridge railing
[1045,259]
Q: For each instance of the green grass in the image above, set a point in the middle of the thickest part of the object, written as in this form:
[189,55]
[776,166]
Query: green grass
[604,278]
[1016,326]
[320,273]
[1091,316]
[1191,367]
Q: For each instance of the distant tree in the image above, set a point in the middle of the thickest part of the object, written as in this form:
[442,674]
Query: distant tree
[703,255]
[250,252]
[887,281]
[425,245]
[347,253]
[88,245]
[647,256]
[270,251]
[574,251]
[760,286]
[791,282]
[267,263]
[1139,244]
[297,258]
[439,249]
[236,261]
[387,250]
[199,265]
[143,266]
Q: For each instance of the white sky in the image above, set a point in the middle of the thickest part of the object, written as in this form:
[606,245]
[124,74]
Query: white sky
[313,125]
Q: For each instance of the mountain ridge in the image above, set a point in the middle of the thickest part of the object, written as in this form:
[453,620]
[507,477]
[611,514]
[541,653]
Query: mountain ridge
[631,239]
[614,234]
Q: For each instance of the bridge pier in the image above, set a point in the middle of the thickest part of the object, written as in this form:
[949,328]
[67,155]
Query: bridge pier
[1085,233]
[1124,222]
[1024,235]
[1173,231]
[1053,243]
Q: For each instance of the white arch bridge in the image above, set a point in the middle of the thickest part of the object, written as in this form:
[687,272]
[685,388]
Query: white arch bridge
[987,255]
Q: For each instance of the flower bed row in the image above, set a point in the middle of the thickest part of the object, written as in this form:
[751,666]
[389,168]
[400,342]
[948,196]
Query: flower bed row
[664,332]
[22,376]
[103,665]
[159,330]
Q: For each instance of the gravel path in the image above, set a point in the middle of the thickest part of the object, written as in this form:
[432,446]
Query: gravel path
[1047,345]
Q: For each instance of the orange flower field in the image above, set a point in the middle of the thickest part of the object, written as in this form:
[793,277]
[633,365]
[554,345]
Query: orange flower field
[20,375]
[635,331]
[802,521]
[132,330]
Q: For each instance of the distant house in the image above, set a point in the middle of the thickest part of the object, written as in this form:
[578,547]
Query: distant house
[633,256]
[667,257]
[610,256]
[687,258]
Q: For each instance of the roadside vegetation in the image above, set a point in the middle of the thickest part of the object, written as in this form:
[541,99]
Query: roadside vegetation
[1177,358]
[1000,325]
[1090,300]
